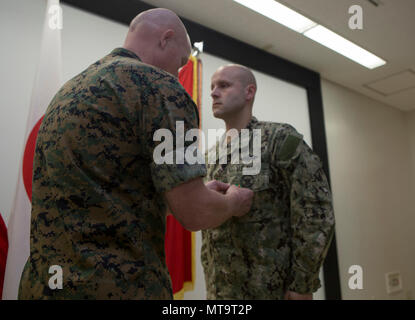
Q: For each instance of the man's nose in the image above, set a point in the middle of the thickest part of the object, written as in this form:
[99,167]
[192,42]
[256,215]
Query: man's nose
[214,93]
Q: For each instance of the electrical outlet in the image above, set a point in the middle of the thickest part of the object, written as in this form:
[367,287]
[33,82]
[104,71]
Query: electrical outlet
[393,282]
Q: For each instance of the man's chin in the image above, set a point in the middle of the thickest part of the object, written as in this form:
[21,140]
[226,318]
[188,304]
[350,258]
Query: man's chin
[218,115]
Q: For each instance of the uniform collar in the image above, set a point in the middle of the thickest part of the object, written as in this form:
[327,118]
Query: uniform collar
[251,125]
[122,52]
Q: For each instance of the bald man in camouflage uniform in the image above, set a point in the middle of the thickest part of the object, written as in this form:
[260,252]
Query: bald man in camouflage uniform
[277,249]
[99,199]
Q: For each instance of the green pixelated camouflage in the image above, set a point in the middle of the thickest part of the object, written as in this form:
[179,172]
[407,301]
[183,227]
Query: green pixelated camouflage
[281,243]
[97,202]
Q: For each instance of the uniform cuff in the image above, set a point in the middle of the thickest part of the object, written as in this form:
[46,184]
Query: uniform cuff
[167,176]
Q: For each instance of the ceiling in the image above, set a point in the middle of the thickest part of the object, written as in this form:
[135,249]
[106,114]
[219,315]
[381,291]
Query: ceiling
[388,32]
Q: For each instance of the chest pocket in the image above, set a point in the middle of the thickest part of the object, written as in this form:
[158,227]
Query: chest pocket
[262,203]
[256,183]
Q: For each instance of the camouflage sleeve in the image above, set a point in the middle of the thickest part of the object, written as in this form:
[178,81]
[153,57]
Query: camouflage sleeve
[170,108]
[311,211]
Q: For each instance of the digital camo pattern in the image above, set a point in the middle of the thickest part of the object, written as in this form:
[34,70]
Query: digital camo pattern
[97,203]
[281,243]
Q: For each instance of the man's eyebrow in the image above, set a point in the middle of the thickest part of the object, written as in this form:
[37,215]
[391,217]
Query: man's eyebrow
[220,82]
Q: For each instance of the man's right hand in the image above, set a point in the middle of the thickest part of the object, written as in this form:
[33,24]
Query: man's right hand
[241,200]
[198,206]
[217,186]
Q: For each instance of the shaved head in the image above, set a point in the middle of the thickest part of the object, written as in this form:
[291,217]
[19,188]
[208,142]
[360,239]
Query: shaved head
[159,38]
[240,73]
[233,89]
[159,18]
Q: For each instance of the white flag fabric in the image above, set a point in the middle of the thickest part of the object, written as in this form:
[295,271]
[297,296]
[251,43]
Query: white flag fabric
[47,82]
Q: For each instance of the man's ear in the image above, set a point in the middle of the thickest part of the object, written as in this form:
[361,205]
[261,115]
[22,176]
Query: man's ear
[250,91]
[166,36]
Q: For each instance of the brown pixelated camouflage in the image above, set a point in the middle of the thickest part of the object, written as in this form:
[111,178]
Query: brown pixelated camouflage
[97,202]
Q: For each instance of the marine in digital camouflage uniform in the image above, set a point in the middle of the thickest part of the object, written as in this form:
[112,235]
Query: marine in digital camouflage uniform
[97,206]
[280,245]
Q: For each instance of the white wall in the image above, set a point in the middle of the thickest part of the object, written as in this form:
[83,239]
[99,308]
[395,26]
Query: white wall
[370,166]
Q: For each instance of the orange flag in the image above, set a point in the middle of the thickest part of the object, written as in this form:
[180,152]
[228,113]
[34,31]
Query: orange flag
[180,243]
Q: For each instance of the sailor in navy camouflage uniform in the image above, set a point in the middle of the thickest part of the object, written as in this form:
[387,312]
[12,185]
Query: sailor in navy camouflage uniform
[277,249]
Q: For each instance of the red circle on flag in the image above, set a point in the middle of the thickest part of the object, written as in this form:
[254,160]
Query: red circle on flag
[28,156]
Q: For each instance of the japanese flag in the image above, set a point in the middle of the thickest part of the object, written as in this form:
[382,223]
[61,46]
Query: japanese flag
[47,82]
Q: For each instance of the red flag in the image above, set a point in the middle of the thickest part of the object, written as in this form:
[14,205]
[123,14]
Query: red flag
[180,243]
[47,83]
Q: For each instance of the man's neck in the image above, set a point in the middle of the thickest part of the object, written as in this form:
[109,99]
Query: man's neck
[139,52]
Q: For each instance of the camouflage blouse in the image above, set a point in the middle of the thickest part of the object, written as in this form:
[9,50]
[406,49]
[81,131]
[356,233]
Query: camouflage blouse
[281,243]
[98,209]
